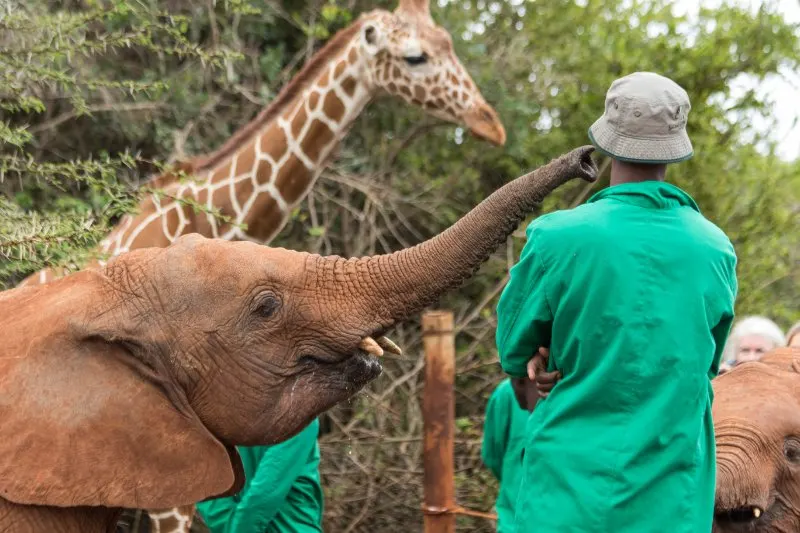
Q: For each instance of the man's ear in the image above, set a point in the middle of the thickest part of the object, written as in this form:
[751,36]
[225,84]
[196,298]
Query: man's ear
[80,424]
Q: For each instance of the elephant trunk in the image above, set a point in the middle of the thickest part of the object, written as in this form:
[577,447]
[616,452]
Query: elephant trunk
[394,286]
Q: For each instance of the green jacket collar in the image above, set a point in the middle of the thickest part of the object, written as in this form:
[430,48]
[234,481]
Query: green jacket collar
[650,194]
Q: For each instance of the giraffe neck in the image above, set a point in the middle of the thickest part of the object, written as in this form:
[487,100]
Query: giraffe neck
[274,172]
[268,174]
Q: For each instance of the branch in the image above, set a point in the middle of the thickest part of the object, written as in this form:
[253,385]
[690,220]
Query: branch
[60,119]
[417,132]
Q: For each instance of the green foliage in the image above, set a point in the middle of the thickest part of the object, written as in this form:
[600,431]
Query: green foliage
[59,66]
[95,95]
[548,66]
[31,241]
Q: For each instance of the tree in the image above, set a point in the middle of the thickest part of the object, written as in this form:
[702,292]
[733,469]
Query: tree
[116,88]
[65,67]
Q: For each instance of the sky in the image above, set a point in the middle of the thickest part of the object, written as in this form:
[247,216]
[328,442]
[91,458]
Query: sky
[784,91]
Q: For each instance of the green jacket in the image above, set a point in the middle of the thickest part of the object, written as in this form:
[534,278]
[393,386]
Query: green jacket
[633,292]
[282,491]
[503,443]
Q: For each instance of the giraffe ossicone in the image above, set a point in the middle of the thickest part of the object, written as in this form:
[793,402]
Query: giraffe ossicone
[266,168]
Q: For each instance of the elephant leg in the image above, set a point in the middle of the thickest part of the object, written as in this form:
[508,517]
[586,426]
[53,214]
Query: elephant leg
[16,518]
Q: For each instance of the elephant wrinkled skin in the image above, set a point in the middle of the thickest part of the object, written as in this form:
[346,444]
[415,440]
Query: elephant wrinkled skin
[757,430]
[129,386]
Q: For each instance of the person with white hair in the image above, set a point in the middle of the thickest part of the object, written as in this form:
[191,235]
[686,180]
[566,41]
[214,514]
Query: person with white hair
[752,337]
[793,336]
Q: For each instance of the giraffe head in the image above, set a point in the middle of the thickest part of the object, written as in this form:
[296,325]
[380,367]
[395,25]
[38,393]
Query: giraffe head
[413,58]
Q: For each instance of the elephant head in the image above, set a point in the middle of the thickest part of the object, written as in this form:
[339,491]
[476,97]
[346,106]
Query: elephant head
[756,415]
[129,386]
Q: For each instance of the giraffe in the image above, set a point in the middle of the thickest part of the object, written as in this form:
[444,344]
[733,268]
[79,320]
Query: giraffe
[267,167]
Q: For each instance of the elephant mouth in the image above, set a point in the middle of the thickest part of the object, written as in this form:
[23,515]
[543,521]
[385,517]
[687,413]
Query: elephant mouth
[360,365]
[738,519]
[374,346]
[348,374]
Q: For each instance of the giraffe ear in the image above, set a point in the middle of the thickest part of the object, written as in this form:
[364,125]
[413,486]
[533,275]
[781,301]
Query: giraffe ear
[84,421]
[372,38]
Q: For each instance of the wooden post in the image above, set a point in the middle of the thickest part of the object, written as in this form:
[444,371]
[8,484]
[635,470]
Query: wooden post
[438,411]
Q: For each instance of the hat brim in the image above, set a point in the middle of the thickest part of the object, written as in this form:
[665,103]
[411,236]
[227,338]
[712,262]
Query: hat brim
[638,150]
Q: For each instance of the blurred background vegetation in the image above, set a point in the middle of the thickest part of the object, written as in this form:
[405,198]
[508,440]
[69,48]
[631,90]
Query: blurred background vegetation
[96,95]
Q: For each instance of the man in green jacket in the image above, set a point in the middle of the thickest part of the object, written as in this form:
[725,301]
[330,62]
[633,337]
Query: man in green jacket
[503,442]
[281,493]
[633,296]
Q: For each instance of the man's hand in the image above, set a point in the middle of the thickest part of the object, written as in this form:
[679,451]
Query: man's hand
[537,372]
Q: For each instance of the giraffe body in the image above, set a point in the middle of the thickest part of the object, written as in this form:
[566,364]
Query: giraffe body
[175,520]
[259,175]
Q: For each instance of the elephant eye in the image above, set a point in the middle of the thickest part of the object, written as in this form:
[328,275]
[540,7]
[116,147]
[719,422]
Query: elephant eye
[791,449]
[267,305]
[416,60]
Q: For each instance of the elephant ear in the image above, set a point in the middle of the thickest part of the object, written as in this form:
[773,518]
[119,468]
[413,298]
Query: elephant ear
[83,422]
[785,358]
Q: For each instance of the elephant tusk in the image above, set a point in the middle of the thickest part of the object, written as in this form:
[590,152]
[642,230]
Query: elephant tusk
[387,344]
[369,345]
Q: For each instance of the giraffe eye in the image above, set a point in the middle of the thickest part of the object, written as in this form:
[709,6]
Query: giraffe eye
[416,60]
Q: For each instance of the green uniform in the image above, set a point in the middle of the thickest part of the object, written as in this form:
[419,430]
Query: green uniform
[282,491]
[503,444]
[634,294]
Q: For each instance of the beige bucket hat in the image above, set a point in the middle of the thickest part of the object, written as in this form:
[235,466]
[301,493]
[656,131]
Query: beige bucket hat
[644,120]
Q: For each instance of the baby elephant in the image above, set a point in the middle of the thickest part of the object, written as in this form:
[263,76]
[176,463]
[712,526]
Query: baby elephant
[757,429]
[129,386]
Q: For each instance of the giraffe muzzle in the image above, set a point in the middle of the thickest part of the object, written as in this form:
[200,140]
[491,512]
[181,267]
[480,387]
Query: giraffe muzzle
[483,122]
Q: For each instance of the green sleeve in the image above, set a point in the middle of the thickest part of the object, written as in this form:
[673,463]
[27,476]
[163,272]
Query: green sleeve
[524,316]
[216,513]
[277,471]
[723,328]
[495,430]
[720,334]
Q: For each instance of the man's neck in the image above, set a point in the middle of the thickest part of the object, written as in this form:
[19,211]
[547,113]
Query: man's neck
[622,172]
